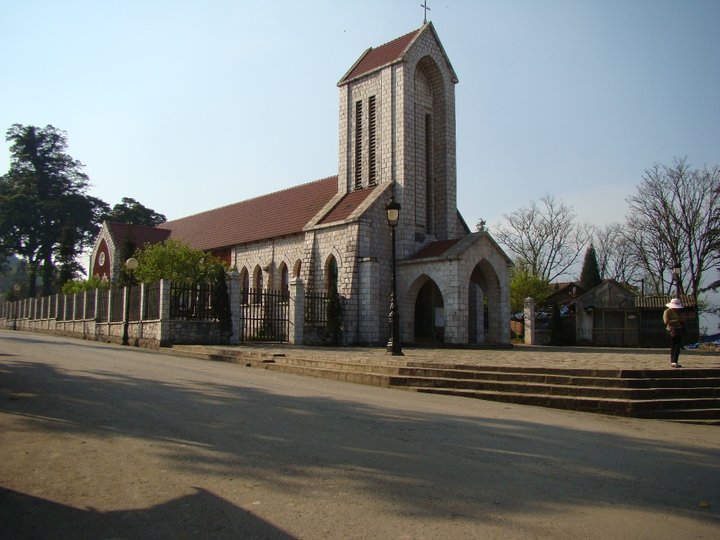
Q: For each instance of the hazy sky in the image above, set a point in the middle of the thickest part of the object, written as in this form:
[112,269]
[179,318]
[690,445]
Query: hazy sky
[190,105]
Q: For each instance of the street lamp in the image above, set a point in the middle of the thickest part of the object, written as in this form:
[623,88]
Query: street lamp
[676,275]
[16,304]
[130,265]
[393,345]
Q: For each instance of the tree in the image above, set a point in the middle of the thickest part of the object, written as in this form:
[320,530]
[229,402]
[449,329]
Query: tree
[220,302]
[616,255]
[675,217]
[177,262]
[46,216]
[524,284]
[544,237]
[81,285]
[590,275]
[132,212]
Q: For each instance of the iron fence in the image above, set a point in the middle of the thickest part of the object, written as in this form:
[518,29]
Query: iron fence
[316,305]
[191,302]
[266,317]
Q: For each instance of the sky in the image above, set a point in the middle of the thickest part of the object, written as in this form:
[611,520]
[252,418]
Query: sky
[191,105]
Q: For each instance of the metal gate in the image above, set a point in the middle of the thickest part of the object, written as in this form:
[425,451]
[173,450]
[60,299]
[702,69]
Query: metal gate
[265,316]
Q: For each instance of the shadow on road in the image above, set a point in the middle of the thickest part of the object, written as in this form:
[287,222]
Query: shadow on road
[201,515]
[431,464]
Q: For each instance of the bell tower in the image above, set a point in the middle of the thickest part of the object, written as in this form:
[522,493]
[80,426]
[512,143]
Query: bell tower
[397,123]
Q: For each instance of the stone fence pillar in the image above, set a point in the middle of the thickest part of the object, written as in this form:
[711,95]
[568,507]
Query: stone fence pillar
[235,295]
[529,316]
[164,336]
[296,311]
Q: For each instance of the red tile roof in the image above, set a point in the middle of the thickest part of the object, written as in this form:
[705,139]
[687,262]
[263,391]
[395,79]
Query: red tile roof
[377,57]
[139,235]
[346,206]
[435,249]
[268,216]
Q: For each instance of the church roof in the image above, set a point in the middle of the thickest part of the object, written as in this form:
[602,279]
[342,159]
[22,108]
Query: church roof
[346,205]
[392,52]
[435,249]
[377,57]
[268,216]
[139,235]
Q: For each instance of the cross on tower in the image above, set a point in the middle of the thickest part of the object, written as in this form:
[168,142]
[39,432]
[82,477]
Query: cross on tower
[426,8]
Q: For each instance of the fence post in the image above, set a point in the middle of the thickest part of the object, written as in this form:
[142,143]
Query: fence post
[165,313]
[141,307]
[296,311]
[235,294]
[529,316]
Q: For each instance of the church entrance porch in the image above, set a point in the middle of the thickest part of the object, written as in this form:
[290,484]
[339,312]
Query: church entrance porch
[456,293]
[429,314]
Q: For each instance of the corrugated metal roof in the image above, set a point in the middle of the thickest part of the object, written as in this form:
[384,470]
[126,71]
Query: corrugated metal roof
[659,302]
[268,216]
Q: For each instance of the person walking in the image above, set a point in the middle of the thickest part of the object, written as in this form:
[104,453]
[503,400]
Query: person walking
[675,326]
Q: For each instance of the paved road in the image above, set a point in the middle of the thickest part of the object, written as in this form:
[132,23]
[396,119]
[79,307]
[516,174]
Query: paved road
[100,441]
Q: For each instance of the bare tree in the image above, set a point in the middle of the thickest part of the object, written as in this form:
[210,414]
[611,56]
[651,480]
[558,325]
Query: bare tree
[675,217]
[544,237]
[616,255]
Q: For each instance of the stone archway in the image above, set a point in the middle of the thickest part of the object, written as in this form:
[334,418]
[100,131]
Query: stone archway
[484,300]
[429,324]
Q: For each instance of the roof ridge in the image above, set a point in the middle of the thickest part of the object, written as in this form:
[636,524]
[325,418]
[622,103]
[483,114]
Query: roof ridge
[296,186]
[398,38]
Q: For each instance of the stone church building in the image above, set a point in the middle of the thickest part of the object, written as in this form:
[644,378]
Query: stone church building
[397,138]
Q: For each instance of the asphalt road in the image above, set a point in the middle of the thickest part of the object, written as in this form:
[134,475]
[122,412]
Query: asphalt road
[100,441]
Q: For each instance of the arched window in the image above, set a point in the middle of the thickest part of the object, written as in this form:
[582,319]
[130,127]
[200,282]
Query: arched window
[245,285]
[331,275]
[297,268]
[284,278]
[257,284]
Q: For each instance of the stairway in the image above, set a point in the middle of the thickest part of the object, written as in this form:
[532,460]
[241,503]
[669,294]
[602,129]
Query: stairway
[683,395]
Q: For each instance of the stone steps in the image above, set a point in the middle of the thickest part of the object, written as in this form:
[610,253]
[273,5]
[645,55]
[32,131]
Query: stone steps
[686,395]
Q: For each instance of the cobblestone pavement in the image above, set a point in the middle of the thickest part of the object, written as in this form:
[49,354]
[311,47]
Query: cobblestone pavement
[518,355]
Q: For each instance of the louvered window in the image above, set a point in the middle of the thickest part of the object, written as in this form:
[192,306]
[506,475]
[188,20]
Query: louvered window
[358,145]
[372,140]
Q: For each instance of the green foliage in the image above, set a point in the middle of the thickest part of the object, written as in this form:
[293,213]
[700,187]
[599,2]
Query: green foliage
[46,216]
[132,212]
[13,278]
[524,284]
[334,318]
[81,285]
[220,301]
[590,275]
[177,262]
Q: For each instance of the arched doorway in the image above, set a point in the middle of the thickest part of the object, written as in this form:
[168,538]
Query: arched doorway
[429,314]
[484,313]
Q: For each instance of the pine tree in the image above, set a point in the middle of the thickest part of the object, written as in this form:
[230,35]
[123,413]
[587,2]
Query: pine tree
[590,275]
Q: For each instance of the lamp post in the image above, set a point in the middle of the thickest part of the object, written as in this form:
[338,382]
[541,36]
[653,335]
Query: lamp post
[16,304]
[676,276]
[393,345]
[130,265]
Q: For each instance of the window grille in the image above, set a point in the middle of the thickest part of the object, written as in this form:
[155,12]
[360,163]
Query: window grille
[358,145]
[372,136]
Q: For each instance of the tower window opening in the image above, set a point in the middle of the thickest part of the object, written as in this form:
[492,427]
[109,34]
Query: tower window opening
[358,145]
[429,196]
[372,140]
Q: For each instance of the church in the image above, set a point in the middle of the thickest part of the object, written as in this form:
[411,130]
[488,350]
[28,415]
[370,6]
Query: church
[396,140]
